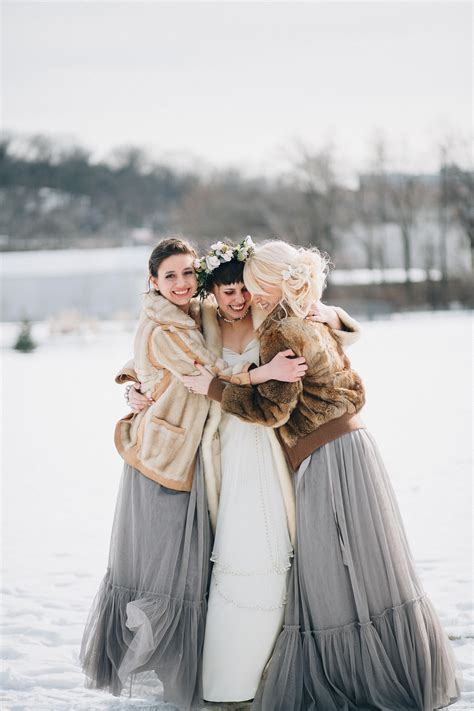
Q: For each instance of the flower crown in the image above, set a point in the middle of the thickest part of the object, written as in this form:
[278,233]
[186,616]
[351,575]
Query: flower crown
[220,253]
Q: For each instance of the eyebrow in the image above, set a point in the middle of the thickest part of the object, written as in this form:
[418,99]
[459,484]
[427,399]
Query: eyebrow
[173,271]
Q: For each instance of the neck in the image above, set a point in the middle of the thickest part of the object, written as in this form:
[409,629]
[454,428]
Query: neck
[231,320]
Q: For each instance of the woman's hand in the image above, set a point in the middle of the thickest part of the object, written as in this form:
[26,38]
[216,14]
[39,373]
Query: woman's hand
[284,367]
[136,399]
[325,314]
[198,384]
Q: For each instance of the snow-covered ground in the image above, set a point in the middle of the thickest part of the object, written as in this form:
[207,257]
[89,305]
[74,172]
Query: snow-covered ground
[61,474]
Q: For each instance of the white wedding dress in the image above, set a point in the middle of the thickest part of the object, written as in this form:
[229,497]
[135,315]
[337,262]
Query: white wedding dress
[252,555]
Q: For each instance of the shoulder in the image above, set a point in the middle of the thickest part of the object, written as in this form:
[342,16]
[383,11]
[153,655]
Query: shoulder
[297,330]
[290,332]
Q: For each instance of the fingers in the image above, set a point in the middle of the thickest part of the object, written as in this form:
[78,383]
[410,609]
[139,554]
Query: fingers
[138,398]
[138,408]
[286,353]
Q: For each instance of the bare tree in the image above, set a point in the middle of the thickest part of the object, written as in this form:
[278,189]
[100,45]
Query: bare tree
[380,162]
[407,195]
[370,207]
[444,209]
[315,177]
[364,228]
[462,199]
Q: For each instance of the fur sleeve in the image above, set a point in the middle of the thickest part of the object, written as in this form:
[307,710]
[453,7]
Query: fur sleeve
[179,350]
[351,332]
[127,373]
[271,403]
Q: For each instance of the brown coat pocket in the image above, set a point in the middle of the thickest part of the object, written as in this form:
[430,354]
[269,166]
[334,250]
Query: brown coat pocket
[168,425]
[162,441]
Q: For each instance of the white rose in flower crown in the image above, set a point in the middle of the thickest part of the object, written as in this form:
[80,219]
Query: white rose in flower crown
[217,247]
[227,255]
[212,262]
[197,264]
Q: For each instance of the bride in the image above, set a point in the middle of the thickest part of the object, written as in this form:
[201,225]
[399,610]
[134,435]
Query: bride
[249,491]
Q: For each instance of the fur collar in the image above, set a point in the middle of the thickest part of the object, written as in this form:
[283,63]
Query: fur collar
[210,324]
[280,312]
[163,312]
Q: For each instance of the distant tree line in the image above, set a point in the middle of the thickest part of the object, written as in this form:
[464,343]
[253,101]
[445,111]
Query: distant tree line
[48,193]
[56,196]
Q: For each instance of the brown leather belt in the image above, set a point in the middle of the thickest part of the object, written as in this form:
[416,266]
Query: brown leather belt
[322,435]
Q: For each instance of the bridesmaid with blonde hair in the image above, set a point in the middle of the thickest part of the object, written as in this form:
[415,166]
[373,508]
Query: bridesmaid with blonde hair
[359,631]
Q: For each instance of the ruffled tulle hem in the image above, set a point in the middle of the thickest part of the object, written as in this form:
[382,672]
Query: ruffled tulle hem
[131,631]
[400,659]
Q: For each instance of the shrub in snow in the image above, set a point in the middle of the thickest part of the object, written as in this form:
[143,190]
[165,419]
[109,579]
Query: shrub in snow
[25,342]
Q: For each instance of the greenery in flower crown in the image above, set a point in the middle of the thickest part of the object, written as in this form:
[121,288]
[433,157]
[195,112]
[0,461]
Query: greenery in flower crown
[220,253]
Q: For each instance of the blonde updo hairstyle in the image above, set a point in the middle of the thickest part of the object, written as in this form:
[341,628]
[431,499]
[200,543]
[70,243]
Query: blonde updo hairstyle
[299,273]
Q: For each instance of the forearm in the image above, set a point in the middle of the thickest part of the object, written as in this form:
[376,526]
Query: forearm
[269,404]
[259,375]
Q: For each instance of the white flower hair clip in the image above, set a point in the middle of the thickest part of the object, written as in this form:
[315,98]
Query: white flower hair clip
[291,271]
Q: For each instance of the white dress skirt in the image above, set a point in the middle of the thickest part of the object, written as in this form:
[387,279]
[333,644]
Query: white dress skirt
[251,555]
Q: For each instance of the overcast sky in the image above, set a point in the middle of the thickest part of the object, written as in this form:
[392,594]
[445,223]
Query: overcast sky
[237,83]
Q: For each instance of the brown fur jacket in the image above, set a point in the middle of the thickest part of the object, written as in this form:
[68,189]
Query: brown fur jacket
[330,392]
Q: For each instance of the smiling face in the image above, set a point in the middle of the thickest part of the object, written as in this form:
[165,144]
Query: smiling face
[176,279]
[267,297]
[233,299]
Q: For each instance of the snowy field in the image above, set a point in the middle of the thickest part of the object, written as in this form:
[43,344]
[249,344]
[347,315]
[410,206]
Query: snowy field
[61,474]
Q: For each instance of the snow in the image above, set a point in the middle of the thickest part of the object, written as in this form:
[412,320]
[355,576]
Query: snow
[61,475]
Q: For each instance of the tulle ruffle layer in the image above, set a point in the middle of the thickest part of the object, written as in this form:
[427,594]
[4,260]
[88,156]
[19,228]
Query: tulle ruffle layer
[131,631]
[400,660]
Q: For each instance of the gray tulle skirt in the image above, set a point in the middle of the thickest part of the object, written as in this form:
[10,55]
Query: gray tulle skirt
[359,632]
[149,613]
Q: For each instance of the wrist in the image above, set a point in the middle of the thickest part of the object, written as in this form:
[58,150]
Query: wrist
[259,375]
